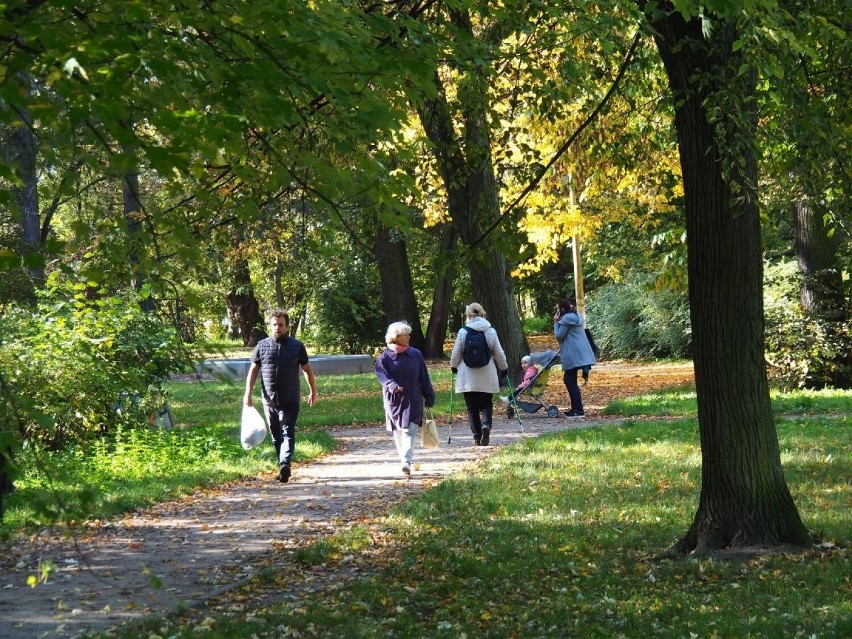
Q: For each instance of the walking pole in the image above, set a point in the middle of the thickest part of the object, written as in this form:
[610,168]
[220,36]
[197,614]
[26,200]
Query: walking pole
[452,392]
[515,406]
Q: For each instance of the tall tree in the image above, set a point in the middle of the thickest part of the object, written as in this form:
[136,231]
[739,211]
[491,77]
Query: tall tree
[744,496]
[398,298]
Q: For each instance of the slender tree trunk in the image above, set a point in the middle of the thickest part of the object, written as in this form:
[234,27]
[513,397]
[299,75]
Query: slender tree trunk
[22,153]
[744,496]
[133,218]
[821,292]
[439,316]
[398,300]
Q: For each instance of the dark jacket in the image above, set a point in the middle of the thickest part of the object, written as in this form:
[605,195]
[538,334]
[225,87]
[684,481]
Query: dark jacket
[406,369]
[280,366]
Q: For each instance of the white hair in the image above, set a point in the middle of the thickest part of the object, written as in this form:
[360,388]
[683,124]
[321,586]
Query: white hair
[395,330]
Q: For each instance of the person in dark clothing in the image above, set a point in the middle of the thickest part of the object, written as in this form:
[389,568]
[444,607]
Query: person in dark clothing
[406,387]
[278,360]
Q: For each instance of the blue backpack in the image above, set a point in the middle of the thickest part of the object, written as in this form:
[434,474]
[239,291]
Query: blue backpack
[476,353]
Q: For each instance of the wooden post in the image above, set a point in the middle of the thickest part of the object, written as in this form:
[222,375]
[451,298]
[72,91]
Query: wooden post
[579,292]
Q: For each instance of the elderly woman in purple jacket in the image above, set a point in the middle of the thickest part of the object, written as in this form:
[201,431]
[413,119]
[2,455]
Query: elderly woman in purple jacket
[406,387]
[575,351]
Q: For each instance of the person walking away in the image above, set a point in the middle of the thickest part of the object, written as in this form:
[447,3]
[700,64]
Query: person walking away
[479,362]
[575,351]
[406,388]
[278,359]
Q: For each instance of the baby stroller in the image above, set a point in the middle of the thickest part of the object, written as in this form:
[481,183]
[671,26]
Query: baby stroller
[529,399]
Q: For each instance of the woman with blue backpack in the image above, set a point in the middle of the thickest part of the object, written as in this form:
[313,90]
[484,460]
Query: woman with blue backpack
[478,361]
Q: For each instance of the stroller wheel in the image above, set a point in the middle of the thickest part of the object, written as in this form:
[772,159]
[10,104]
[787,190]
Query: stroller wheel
[510,412]
[552,411]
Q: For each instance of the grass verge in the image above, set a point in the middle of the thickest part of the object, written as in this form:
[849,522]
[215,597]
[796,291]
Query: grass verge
[560,536]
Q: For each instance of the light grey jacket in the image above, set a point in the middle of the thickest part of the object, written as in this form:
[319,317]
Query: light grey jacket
[574,346]
[485,379]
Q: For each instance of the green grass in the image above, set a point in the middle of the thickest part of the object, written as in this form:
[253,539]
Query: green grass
[561,536]
[681,402]
[558,536]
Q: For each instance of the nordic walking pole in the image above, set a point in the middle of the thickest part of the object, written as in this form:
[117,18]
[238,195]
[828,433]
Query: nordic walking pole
[452,392]
[515,406]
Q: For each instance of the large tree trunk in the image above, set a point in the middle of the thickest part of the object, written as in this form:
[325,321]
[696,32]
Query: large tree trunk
[472,201]
[243,308]
[439,316]
[822,283]
[744,496]
[398,300]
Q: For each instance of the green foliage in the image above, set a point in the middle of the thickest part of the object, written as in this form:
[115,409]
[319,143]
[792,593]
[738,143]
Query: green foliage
[81,364]
[348,316]
[537,325]
[634,320]
[137,466]
[802,350]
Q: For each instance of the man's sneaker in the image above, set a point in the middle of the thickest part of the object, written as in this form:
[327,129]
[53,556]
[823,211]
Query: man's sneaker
[504,399]
[486,437]
[406,470]
[572,415]
[284,474]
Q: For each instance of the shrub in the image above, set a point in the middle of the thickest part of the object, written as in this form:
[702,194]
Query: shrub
[79,366]
[802,351]
[348,312]
[633,320]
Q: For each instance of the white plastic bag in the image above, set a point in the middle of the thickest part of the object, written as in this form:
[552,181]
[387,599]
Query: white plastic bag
[429,432]
[252,428]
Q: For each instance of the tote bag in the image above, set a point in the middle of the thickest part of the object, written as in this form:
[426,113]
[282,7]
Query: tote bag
[252,428]
[429,432]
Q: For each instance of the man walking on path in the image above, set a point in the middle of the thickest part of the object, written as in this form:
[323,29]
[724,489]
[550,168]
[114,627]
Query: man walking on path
[278,358]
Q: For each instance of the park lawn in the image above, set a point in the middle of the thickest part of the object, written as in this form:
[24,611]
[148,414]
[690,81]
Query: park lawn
[565,536]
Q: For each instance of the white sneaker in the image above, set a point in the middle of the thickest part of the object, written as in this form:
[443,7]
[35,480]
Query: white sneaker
[504,399]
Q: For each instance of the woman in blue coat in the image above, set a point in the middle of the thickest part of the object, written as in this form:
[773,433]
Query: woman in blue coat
[575,350]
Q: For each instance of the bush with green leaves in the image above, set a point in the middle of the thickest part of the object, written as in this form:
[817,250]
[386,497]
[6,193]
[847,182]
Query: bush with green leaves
[802,351]
[635,319]
[348,316]
[79,364]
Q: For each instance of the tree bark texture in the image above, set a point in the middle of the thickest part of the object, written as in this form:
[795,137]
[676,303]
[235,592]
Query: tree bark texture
[467,172]
[243,307]
[439,316]
[22,153]
[744,498]
[398,299]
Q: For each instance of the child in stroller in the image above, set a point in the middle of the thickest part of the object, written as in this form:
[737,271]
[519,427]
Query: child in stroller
[528,395]
[530,371]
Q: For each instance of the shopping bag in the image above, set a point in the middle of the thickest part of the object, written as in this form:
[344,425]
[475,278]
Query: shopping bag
[429,433]
[252,428]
